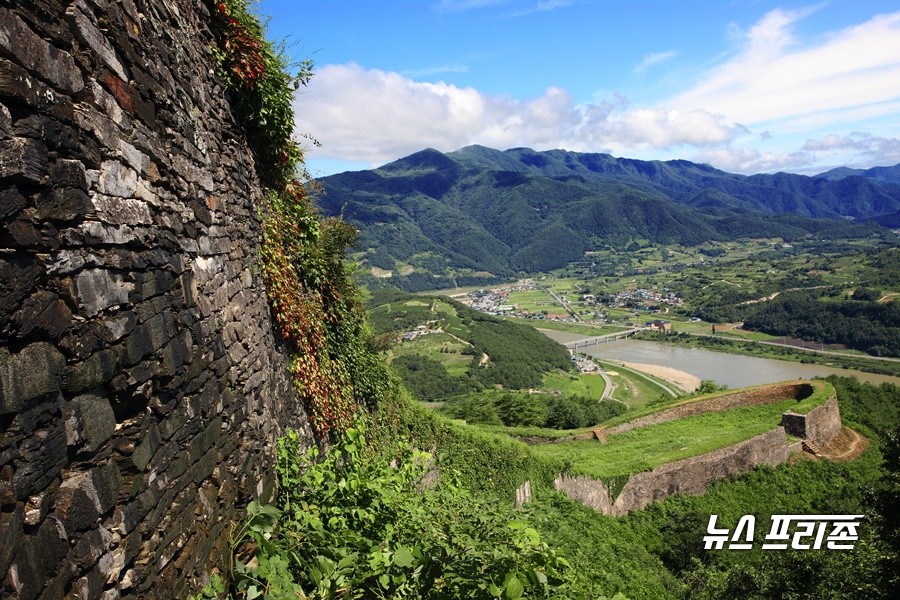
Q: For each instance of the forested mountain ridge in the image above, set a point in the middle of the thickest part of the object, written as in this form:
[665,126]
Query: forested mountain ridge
[486,213]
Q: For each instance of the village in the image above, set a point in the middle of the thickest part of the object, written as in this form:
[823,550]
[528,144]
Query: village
[564,307]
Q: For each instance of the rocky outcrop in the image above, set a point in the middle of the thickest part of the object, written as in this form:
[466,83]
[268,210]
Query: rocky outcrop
[141,388]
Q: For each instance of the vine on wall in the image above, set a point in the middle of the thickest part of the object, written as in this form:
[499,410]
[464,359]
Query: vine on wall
[314,302]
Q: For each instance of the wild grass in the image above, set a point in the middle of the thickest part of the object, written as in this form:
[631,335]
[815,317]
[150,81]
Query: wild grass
[645,448]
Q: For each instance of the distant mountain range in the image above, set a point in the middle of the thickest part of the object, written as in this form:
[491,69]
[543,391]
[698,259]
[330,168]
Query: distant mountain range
[480,213]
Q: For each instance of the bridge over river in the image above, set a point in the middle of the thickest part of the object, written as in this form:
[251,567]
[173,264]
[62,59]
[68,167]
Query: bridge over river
[594,341]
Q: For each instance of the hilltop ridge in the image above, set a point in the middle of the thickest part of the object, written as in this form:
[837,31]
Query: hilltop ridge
[476,214]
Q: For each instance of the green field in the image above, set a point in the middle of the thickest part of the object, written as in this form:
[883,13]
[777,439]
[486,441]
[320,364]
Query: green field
[535,301]
[588,329]
[645,448]
[441,347]
[636,390]
[589,385]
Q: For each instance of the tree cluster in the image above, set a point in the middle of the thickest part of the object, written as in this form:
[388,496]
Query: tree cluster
[868,326]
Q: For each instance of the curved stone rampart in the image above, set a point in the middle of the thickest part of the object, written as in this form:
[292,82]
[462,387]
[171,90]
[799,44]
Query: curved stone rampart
[689,476]
[820,425]
[694,475]
[797,390]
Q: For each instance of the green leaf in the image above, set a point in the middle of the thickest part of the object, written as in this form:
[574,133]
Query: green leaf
[403,558]
[514,588]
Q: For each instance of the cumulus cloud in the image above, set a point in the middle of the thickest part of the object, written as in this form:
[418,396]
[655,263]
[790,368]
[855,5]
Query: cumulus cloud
[779,86]
[869,150]
[373,115]
[773,79]
[652,59]
[750,160]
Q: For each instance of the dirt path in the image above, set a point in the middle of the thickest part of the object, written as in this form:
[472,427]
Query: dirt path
[685,381]
[847,445]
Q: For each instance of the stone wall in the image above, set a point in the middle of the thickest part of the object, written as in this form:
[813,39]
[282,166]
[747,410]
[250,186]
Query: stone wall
[693,475]
[748,397]
[820,425]
[141,389]
[689,476]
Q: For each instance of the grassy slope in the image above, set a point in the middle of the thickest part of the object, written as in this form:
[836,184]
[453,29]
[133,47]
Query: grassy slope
[645,448]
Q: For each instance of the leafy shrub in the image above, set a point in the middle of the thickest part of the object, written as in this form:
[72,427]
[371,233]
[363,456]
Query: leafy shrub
[349,526]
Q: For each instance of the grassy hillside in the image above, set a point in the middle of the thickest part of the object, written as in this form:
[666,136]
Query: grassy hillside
[446,349]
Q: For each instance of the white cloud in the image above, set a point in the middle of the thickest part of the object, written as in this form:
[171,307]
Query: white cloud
[784,88]
[653,59]
[864,149]
[749,160]
[376,116]
[544,6]
[774,80]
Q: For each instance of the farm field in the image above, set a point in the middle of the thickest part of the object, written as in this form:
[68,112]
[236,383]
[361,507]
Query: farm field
[589,385]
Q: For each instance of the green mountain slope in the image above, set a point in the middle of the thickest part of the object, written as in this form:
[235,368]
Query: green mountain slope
[438,219]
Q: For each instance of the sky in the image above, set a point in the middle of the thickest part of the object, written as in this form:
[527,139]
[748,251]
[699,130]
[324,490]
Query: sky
[747,86]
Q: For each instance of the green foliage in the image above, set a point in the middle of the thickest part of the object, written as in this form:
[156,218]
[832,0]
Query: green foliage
[526,410]
[875,407]
[214,588]
[258,73]
[318,311]
[518,355]
[314,302]
[673,529]
[352,526]
[864,325]
[609,557]
[484,462]
[427,379]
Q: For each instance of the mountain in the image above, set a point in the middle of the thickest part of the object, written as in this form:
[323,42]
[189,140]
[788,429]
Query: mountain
[877,174]
[480,213]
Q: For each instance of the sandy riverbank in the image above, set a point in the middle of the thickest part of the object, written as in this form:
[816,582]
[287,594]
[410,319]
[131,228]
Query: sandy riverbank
[685,381]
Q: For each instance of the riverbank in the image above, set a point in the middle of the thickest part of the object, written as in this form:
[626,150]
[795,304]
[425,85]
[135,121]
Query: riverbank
[680,379]
[749,348]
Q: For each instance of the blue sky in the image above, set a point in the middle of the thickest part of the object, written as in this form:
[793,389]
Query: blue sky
[745,85]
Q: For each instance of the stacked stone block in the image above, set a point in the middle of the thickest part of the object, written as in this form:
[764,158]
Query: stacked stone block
[141,388]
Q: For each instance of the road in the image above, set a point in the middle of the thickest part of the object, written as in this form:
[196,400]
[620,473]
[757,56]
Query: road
[608,385]
[565,304]
[593,341]
[621,367]
[780,345]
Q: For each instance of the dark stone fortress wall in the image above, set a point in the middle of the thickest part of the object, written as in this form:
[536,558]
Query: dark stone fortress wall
[141,389]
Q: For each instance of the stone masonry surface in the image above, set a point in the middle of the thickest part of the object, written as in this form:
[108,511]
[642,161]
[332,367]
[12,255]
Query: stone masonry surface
[141,388]
[694,475]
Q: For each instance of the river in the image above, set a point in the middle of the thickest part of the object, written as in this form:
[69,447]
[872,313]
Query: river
[733,370]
